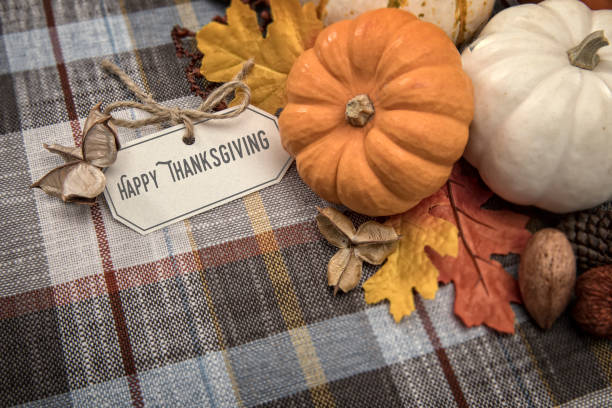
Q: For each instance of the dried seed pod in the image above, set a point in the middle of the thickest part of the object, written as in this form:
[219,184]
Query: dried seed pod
[344,270]
[593,308]
[590,233]
[374,242]
[77,182]
[80,180]
[100,143]
[547,274]
[68,153]
[337,229]
[371,243]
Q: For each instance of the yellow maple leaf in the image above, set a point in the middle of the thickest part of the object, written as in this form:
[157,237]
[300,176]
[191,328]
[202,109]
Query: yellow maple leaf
[226,47]
[409,268]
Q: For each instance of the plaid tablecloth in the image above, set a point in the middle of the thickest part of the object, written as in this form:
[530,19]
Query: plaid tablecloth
[229,308]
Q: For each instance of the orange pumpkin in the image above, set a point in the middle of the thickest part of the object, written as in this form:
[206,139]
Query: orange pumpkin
[378,111]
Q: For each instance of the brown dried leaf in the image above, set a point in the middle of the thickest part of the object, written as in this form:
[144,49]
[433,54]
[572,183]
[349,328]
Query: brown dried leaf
[68,153]
[335,227]
[77,181]
[344,270]
[100,143]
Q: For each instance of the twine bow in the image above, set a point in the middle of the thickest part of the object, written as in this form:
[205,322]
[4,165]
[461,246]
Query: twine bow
[175,115]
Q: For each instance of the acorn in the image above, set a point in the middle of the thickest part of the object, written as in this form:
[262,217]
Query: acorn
[547,274]
[593,308]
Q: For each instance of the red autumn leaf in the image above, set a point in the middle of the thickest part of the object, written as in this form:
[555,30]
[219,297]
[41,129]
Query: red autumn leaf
[483,289]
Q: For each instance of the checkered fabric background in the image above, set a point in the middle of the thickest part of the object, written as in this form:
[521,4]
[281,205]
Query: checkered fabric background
[229,308]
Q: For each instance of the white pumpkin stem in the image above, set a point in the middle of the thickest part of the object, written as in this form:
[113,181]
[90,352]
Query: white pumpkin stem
[359,110]
[584,55]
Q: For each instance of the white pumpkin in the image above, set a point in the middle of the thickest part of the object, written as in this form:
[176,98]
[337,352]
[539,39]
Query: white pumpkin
[542,129]
[460,19]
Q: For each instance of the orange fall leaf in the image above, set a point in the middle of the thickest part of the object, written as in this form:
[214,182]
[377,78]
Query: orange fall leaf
[483,289]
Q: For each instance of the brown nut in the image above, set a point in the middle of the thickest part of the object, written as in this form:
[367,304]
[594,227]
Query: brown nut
[547,275]
[593,308]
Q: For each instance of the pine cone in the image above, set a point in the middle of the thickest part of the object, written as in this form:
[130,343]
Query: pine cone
[590,233]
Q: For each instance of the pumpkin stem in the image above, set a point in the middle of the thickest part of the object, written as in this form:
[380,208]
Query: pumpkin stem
[584,55]
[359,110]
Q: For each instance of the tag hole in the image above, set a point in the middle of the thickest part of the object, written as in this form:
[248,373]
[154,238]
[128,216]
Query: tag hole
[188,140]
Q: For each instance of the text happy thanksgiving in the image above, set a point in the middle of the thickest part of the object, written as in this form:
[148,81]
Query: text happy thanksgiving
[206,160]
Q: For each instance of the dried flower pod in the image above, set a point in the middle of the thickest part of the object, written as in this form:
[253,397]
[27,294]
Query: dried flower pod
[77,182]
[68,153]
[344,270]
[100,143]
[372,242]
[80,180]
[590,233]
[547,274]
[335,227]
[593,308]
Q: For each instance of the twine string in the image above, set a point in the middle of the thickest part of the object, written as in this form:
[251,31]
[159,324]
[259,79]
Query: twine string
[176,115]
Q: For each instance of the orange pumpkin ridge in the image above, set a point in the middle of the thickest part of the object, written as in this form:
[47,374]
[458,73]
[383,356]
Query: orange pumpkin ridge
[378,112]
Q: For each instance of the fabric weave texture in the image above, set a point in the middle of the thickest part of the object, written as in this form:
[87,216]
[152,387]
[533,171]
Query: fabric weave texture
[229,308]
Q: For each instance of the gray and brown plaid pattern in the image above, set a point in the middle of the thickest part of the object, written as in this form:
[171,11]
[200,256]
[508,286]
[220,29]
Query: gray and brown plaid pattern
[229,308]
